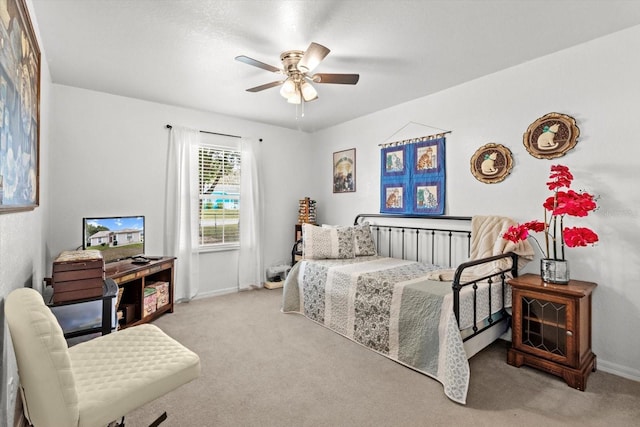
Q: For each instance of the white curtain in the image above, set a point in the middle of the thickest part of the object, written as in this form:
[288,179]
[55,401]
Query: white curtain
[250,259]
[181,210]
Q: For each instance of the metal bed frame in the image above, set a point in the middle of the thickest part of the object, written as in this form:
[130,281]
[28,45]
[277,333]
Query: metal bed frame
[405,241]
[398,237]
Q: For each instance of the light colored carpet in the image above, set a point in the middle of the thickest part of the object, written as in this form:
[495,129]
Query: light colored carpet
[261,367]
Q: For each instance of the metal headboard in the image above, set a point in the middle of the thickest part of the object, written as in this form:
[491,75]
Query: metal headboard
[440,245]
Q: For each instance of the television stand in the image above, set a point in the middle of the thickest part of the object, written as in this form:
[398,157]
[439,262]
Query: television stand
[132,279]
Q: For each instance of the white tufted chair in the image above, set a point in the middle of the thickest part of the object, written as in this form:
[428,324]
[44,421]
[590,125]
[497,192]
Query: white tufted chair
[96,382]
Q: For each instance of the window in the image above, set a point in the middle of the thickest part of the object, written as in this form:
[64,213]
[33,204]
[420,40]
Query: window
[219,184]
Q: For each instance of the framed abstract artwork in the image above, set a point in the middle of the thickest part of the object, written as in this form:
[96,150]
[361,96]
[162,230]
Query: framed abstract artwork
[19,110]
[551,136]
[344,171]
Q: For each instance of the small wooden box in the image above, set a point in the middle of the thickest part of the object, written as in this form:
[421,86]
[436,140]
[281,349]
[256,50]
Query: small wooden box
[150,301]
[128,313]
[162,293]
[77,275]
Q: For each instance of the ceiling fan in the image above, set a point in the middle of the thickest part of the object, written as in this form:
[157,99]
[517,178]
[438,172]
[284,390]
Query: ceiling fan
[297,66]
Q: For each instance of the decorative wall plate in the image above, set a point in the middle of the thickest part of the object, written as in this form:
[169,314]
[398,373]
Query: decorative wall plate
[491,163]
[552,135]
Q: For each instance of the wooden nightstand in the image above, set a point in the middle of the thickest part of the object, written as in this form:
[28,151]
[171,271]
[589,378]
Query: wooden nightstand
[552,328]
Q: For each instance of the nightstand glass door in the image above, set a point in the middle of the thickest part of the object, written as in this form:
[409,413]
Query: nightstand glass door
[544,325]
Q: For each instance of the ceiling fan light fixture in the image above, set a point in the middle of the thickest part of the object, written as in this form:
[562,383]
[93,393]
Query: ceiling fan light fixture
[295,98]
[288,88]
[309,93]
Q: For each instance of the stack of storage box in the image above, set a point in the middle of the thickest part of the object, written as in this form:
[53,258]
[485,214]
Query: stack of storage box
[150,300]
[162,293]
[156,295]
[77,275]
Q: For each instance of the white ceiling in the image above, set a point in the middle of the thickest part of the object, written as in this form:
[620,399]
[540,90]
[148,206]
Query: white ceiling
[181,52]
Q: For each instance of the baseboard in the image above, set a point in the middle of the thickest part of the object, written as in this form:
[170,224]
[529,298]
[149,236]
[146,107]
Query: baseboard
[619,370]
[216,293]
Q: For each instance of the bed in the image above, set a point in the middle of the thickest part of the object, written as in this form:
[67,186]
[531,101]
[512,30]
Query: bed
[426,293]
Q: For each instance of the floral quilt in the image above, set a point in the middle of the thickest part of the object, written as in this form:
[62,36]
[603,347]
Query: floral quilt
[389,306]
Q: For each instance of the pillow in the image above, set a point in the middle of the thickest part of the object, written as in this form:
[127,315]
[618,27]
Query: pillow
[322,242]
[363,240]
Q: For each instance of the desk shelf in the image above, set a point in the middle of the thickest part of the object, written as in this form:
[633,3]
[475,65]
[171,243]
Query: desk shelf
[132,279]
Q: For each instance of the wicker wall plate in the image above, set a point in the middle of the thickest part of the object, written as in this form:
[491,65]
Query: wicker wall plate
[551,136]
[491,163]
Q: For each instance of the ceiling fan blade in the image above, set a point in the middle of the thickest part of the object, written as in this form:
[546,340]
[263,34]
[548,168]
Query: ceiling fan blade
[314,54]
[258,64]
[343,79]
[265,86]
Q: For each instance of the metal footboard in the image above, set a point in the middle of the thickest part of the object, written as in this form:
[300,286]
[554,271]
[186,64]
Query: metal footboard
[498,278]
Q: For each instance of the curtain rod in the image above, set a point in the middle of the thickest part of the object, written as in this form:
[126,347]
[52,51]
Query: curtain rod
[214,133]
[414,140]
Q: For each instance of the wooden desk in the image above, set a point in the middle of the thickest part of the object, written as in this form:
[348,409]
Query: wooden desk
[133,278]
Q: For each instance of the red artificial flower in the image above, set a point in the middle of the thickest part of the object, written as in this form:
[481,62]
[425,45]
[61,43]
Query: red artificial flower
[560,177]
[515,233]
[536,226]
[560,169]
[563,202]
[579,236]
[550,203]
[570,203]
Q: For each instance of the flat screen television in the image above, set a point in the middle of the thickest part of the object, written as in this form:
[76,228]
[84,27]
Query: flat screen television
[117,237]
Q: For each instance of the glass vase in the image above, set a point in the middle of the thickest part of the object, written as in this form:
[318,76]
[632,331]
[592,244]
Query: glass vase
[554,271]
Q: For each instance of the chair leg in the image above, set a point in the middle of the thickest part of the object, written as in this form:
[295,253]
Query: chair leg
[159,420]
[116,423]
[156,423]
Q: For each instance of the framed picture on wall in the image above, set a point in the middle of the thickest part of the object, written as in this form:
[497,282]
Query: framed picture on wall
[551,136]
[19,111]
[344,171]
[491,163]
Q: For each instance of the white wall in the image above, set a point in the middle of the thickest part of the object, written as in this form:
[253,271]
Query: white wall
[22,247]
[108,157]
[597,84]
